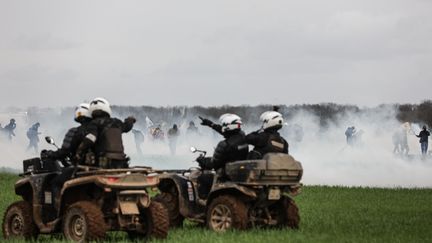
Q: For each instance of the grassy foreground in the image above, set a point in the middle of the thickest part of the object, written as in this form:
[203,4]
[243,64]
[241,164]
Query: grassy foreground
[328,214]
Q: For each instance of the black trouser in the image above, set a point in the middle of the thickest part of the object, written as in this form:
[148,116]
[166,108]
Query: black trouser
[205,182]
[58,181]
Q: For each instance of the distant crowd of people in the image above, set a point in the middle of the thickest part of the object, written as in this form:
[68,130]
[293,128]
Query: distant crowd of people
[8,132]
[294,133]
[157,134]
[399,139]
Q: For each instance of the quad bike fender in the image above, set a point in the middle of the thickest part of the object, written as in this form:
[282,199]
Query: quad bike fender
[180,184]
[78,182]
[24,188]
[231,188]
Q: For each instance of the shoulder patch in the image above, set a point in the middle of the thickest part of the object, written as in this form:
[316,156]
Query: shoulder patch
[277,144]
[91,137]
[242,146]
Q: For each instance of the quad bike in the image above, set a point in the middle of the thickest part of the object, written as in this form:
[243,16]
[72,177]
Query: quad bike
[248,193]
[93,202]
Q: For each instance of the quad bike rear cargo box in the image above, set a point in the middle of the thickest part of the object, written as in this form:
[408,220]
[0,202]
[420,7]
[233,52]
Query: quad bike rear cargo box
[273,169]
[36,165]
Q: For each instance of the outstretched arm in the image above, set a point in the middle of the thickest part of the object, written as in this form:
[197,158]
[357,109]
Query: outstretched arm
[128,124]
[207,122]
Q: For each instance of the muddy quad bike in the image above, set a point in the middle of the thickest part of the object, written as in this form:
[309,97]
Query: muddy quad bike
[250,193]
[93,202]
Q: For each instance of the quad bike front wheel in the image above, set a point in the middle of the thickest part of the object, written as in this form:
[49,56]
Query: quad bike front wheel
[225,213]
[171,202]
[155,223]
[18,221]
[83,222]
[290,213]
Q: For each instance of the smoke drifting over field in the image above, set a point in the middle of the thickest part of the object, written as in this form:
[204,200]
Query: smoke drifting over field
[323,151]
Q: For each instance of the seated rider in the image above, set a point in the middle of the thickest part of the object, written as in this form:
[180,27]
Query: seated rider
[104,136]
[69,147]
[267,139]
[232,148]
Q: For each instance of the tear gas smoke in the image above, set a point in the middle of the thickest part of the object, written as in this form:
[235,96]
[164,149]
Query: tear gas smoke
[323,150]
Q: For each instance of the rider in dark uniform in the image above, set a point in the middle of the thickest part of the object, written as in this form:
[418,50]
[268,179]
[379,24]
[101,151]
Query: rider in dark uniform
[232,148]
[104,136]
[268,139]
[68,149]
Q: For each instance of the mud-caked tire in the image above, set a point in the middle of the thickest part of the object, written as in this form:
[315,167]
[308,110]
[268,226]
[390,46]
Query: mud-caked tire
[171,202]
[18,222]
[156,223]
[84,221]
[158,215]
[227,212]
[290,213]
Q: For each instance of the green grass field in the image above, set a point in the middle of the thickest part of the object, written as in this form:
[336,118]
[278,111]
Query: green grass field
[328,214]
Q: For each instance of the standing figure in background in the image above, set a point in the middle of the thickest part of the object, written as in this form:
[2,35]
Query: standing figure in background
[396,139]
[139,140]
[424,138]
[33,136]
[349,133]
[173,134]
[192,129]
[157,133]
[404,149]
[400,141]
[9,129]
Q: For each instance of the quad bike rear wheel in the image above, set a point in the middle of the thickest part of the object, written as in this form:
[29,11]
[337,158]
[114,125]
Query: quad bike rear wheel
[225,213]
[83,222]
[170,200]
[18,221]
[155,222]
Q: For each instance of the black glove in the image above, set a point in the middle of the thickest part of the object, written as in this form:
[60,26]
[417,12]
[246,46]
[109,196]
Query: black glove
[78,159]
[130,119]
[206,122]
[46,154]
[201,161]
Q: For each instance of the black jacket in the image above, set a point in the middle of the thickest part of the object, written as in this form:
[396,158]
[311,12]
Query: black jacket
[423,135]
[104,135]
[233,148]
[71,141]
[267,141]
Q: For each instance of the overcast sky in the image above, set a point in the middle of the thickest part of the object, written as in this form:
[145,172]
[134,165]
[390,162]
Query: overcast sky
[56,53]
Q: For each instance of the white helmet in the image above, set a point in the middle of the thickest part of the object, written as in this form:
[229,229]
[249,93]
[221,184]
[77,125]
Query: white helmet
[82,110]
[230,122]
[271,119]
[99,104]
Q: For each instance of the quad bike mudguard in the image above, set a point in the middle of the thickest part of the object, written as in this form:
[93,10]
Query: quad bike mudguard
[32,189]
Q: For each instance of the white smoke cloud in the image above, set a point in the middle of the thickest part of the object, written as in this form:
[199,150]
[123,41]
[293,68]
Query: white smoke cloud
[323,151]
[328,160]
